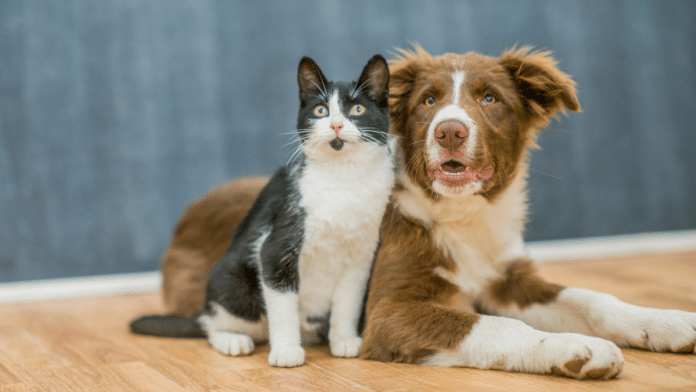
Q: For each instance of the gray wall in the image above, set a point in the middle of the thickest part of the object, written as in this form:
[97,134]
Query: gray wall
[114,115]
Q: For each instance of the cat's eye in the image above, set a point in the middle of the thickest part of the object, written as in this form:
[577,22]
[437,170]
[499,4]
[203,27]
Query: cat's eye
[430,101]
[321,111]
[357,110]
[488,99]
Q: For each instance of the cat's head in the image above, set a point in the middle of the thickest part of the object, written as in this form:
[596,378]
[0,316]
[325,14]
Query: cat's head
[337,118]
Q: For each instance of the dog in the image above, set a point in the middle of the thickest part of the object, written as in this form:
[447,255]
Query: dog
[452,283]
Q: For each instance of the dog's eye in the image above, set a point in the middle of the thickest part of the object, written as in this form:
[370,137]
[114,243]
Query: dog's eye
[488,99]
[321,110]
[357,110]
[430,101]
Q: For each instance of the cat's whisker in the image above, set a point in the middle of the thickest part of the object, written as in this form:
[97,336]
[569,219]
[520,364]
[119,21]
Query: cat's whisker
[356,90]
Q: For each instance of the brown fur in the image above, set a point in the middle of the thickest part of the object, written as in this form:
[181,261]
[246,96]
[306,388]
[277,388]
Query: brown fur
[522,286]
[201,237]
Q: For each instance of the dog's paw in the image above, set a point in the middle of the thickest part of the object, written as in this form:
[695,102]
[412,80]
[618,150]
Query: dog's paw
[669,331]
[230,343]
[286,356]
[583,357]
[346,348]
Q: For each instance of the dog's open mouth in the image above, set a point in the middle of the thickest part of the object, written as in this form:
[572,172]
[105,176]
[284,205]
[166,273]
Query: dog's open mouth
[453,167]
[457,173]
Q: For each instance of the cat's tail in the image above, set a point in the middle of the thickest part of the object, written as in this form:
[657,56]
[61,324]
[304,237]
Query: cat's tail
[168,326]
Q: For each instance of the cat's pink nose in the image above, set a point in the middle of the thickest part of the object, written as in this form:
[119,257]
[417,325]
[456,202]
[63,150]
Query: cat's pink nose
[336,127]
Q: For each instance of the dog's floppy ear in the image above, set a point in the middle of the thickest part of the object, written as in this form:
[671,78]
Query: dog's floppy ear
[404,69]
[545,89]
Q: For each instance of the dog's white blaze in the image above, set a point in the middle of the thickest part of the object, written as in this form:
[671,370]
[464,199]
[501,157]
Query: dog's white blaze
[457,81]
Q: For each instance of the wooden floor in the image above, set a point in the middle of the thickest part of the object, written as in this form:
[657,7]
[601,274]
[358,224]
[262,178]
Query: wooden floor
[84,345]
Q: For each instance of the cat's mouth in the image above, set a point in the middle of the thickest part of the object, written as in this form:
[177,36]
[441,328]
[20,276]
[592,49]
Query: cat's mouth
[337,143]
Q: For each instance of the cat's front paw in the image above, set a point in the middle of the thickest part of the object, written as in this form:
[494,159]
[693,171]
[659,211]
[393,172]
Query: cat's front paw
[346,348]
[230,343]
[287,356]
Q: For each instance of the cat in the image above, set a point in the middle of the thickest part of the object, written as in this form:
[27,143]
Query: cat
[299,263]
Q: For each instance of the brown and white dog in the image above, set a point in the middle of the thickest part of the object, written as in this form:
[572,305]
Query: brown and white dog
[452,283]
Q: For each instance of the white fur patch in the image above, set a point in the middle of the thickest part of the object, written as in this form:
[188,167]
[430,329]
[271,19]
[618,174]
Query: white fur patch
[457,81]
[456,113]
[603,315]
[506,344]
[232,335]
[283,328]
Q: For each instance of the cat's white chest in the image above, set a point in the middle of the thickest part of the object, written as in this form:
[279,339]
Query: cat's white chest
[344,205]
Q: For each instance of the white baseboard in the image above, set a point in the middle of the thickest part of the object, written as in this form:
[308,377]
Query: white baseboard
[613,246]
[542,251]
[35,290]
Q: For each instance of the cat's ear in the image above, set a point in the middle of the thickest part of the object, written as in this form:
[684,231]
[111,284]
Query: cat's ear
[375,80]
[310,79]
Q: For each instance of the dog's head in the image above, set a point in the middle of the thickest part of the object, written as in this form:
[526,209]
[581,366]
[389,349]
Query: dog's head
[466,120]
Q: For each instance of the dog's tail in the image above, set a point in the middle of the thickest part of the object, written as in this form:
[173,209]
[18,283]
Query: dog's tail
[168,326]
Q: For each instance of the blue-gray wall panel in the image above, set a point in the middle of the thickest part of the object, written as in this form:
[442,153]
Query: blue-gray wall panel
[115,114]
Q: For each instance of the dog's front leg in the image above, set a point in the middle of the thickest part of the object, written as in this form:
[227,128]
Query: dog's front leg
[432,334]
[588,312]
[507,344]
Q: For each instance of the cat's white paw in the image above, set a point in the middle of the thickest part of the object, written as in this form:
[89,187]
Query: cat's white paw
[346,348]
[230,343]
[668,330]
[287,356]
[582,357]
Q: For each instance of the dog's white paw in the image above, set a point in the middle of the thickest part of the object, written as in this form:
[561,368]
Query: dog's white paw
[669,330]
[582,357]
[230,343]
[346,348]
[286,356]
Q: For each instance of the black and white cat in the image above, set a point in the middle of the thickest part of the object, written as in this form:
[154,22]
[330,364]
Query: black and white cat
[301,258]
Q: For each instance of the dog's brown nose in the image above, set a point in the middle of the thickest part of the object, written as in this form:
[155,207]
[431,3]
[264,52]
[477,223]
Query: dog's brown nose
[451,134]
